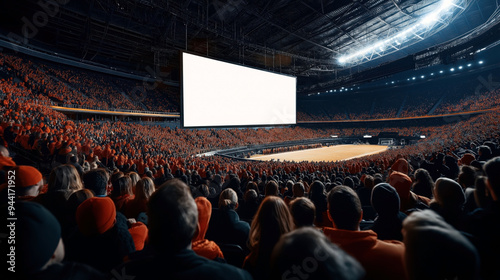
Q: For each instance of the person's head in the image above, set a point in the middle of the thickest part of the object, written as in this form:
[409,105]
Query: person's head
[481,195]
[306,253]
[484,152]
[38,238]
[134,177]
[466,159]
[64,178]
[75,199]
[121,186]
[349,182]
[204,213]
[172,217]
[467,176]
[344,208]
[385,200]
[491,168]
[271,221]
[400,165]
[369,182]
[449,194]
[435,250]
[228,199]
[145,187]
[402,183]
[303,212]
[95,216]
[317,190]
[252,185]
[28,180]
[96,180]
[271,188]
[251,197]
[422,175]
[298,189]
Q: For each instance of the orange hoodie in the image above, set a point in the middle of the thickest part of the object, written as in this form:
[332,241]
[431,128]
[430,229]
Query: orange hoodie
[200,245]
[382,259]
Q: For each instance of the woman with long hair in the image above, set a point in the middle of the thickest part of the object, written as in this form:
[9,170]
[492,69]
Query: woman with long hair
[272,220]
[145,187]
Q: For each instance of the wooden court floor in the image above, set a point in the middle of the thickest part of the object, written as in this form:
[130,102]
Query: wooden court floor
[332,153]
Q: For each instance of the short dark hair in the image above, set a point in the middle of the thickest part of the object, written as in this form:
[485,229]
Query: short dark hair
[344,207]
[303,211]
[96,180]
[172,217]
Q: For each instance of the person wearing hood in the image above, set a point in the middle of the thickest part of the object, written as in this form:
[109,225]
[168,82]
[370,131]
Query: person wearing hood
[389,221]
[409,200]
[201,246]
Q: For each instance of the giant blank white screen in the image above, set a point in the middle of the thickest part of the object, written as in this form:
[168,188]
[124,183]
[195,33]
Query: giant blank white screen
[216,93]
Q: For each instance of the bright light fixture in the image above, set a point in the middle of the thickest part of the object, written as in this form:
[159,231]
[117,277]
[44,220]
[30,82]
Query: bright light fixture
[416,32]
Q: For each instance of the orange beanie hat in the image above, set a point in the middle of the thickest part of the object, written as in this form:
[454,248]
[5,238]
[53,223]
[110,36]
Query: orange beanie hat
[26,176]
[96,215]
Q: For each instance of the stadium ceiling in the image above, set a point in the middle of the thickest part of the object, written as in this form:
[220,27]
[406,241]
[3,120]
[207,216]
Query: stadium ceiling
[323,43]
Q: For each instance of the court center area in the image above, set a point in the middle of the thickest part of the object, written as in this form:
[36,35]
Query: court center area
[331,153]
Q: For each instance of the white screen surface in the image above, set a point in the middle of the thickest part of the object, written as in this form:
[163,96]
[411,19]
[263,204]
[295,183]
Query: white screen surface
[216,93]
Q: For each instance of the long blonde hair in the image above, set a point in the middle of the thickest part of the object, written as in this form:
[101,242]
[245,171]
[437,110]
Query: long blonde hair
[145,187]
[64,178]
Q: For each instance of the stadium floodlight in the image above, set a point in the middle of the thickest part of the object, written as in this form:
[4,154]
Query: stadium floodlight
[460,67]
[424,26]
[422,136]
[413,78]
[441,71]
[432,74]
[452,69]
[422,76]
[367,136]
[469,65]
[334,136]
[481,62]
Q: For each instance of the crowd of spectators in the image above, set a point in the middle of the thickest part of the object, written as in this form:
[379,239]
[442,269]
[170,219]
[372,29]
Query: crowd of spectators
[107,172]
[67,86]
[106,199]
[80,88]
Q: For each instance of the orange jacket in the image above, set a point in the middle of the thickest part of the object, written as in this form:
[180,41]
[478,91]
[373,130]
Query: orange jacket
[382,259]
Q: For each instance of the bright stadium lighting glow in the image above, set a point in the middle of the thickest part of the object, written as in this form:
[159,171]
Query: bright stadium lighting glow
[422,76]
[367,136]
[424,25]
[392,82]
[452,69]
[460,67]
[469,65]
[441,71]
[481,62]
[432,74]
[413,78]
[422,136]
